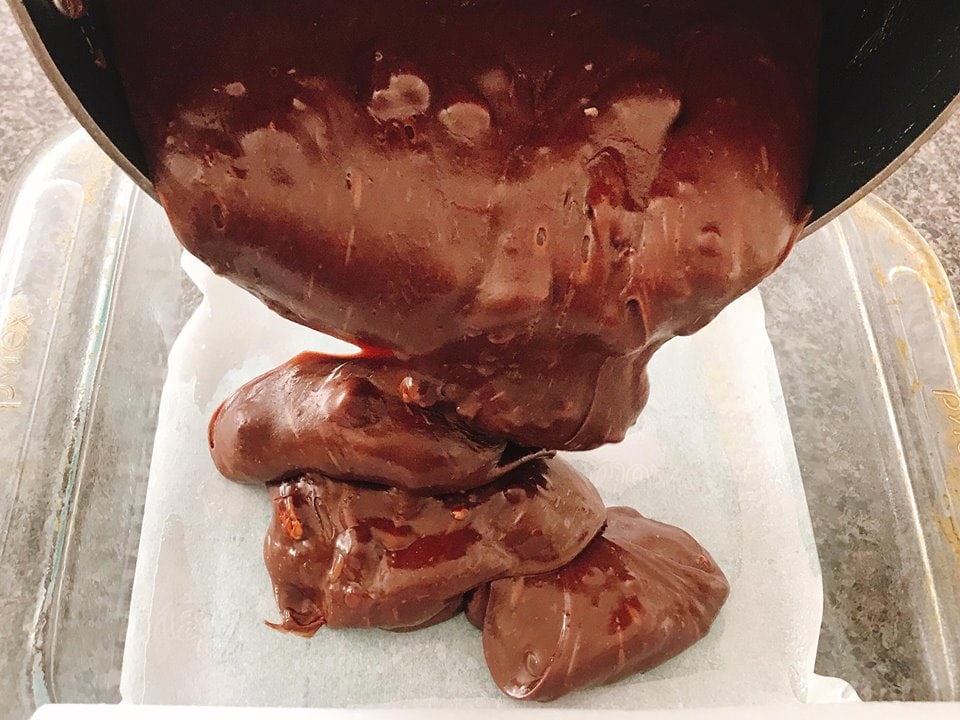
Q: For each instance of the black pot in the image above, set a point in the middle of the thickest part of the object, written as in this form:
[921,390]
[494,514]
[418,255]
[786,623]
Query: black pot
[889,74]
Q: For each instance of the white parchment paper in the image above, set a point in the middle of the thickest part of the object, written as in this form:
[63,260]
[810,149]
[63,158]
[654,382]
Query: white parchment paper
[712,454]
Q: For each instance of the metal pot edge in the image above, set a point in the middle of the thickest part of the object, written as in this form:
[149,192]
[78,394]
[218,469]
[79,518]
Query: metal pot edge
[39,50]
[887,171]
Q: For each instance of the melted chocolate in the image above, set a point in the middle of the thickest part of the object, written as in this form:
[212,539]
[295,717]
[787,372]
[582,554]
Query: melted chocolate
[348,555]
[328,415]
[523,200]
[639,594]
[510,206]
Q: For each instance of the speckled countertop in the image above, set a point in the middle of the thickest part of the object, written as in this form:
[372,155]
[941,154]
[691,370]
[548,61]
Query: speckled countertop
[29,108]
[926,190]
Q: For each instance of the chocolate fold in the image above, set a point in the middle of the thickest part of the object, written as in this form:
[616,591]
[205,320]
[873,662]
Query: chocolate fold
[641,593]
[348,555]
[346,419]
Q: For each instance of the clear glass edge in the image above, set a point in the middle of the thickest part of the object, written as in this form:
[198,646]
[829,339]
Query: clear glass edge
[923,386]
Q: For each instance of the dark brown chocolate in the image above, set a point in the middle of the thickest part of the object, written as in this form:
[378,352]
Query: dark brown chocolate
[641,593]
[349,555]
[475,606]
[524,200]
[510,206]
[329,415]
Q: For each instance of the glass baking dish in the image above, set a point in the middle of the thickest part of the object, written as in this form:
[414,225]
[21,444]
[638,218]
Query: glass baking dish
[92,296]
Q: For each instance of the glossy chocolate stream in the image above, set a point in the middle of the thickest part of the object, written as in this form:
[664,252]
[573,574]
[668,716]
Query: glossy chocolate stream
[510,206]
[523,200]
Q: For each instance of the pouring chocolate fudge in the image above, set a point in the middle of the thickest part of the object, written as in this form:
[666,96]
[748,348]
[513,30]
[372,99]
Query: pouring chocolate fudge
[509,206]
